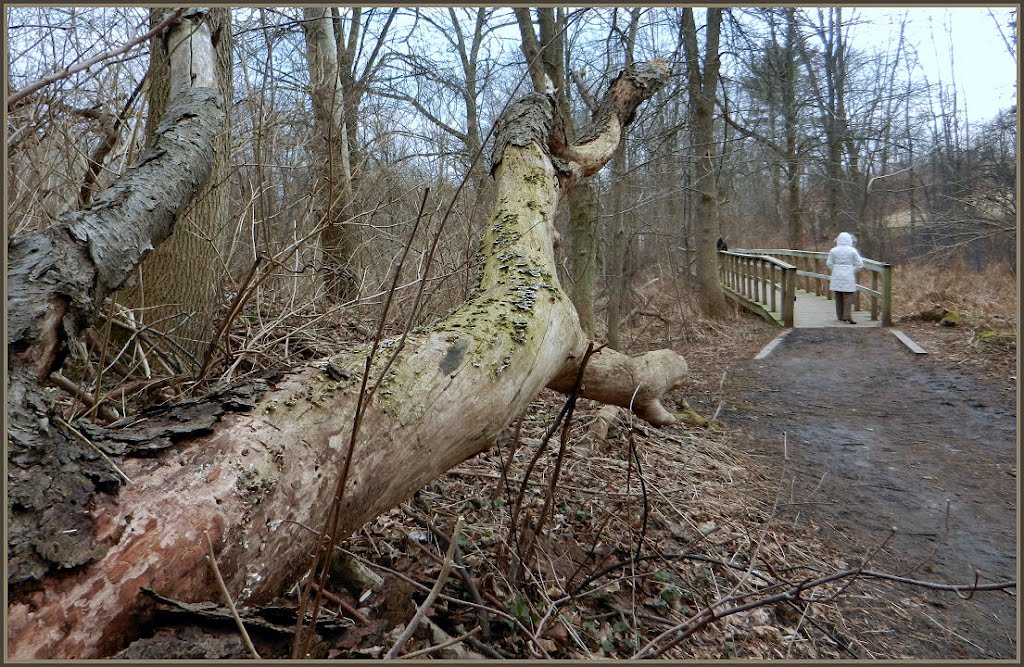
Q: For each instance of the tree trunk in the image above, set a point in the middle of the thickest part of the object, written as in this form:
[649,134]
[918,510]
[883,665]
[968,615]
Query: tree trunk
[583,248]
[703,82]
[617,282]
[179,284]
[618,285]
[545,57]
[58,277]
[331,152]
[257,481]
[791,119]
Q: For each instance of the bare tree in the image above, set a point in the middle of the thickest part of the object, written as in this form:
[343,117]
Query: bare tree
[618,283]
[178,287]
[361,57]
[331,150]
[702,79]
[773,84]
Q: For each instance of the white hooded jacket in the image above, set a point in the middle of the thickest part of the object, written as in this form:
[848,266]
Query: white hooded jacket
[844,262]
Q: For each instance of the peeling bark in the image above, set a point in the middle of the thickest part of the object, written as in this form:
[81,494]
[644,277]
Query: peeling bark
[56,279]
[257,482]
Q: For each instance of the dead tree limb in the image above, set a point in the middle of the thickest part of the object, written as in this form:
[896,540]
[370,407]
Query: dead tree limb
[253,480]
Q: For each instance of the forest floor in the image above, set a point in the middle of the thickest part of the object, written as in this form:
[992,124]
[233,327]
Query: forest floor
[695,541]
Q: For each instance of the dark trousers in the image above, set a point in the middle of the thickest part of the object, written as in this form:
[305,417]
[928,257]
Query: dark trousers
[844,305]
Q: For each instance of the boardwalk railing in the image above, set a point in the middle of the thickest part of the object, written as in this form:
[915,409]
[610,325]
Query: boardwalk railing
[810,274]
[760,283]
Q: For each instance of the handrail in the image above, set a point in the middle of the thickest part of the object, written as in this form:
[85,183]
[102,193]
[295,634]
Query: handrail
[870,264]
[813,280]
[763,284]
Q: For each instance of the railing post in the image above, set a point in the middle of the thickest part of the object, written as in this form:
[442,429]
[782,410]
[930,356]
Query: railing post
[886,296]
[788,296]
[756,271]
[771,279]
[874,299]
[761,268]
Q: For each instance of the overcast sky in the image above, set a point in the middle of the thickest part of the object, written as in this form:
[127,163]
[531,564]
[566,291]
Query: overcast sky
[984,71]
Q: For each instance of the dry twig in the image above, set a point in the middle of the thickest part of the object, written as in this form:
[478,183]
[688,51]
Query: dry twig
[410,627]
[227,597]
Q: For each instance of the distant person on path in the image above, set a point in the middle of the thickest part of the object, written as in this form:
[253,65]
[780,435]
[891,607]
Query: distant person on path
[721,244]
[844,261]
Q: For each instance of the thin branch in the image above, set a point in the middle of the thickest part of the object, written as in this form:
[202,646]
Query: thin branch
[105,413]
[442,578]
[431,649]
[227,596]
[32,88]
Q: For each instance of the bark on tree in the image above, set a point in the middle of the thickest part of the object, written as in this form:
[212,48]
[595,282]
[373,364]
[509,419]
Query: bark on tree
[178,286]
[331,152]
[702,79]
[545,57]
[617,281]
[256,481]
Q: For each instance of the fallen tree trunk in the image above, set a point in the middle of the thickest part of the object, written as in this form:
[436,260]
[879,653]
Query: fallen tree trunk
[260,483]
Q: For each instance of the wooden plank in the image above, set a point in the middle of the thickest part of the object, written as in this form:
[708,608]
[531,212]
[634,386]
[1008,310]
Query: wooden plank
[905,339]
[767,349]
[887,296]
[789,297]
[815,312]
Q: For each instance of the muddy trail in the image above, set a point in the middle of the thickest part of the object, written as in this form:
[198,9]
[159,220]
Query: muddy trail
[865,436]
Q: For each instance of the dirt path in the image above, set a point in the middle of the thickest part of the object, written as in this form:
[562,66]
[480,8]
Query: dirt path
[875,437]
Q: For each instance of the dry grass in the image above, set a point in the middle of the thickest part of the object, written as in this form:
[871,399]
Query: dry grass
[989,294]
[982,337]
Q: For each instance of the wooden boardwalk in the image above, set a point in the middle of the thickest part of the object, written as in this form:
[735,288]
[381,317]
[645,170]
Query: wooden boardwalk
[787,293]
[814,312]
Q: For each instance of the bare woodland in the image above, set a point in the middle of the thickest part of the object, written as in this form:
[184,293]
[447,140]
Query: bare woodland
[272,271]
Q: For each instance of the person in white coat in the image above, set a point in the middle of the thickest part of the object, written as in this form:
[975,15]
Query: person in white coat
[844,261]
